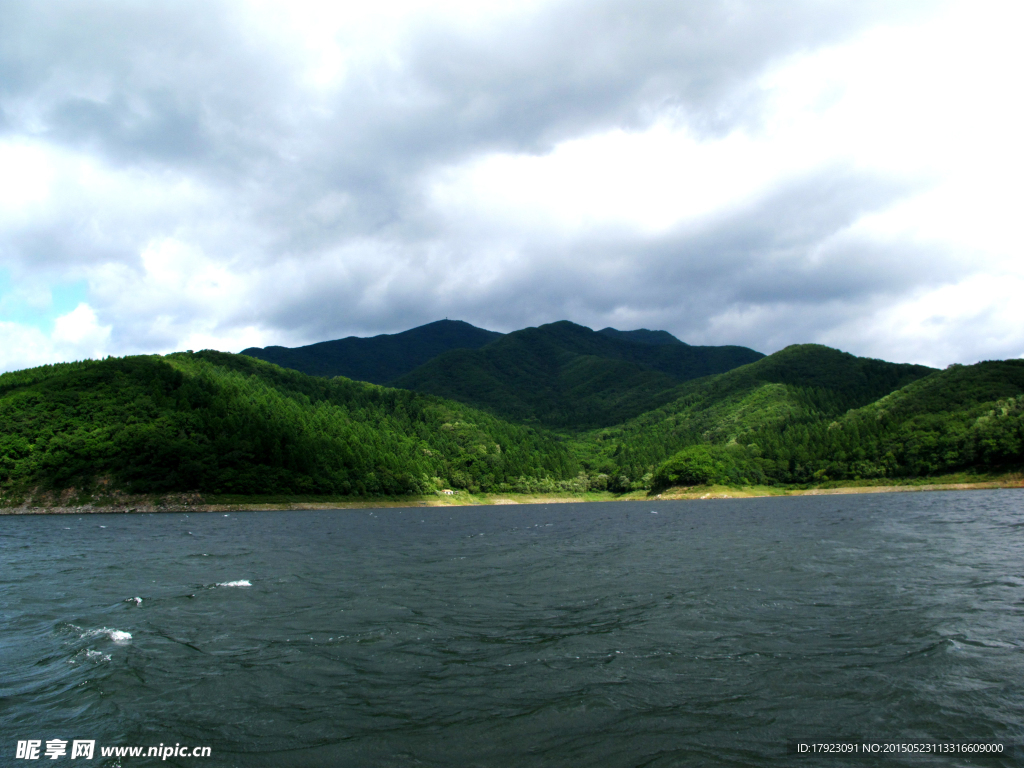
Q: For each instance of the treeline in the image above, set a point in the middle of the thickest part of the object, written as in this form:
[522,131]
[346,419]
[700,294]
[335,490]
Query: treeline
[220,423]
[948,422]
[224,423]
[964,418]
[743,428]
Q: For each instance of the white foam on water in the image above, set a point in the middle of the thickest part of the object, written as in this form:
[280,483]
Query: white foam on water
[97,657]
[136,600]
[119,637]
[239,583]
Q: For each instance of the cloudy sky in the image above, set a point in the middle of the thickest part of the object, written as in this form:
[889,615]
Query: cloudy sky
[205,174]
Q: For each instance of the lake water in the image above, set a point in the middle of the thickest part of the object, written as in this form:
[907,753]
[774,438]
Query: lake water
[613,634]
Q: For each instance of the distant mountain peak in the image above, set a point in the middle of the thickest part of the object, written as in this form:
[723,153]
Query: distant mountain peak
[378,359]
[444,322]
[566,375]
[643,336]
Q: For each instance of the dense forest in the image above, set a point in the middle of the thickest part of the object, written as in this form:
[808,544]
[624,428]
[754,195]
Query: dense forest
[753,427]
[224,423]
[220,423]
[796,387]
[566,376]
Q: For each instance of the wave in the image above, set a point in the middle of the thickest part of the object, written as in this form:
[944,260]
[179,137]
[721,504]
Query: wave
[119,637]
[239,583]
[96,657]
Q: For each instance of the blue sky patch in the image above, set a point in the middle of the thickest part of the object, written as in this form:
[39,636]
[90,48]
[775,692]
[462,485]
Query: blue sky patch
[16,307]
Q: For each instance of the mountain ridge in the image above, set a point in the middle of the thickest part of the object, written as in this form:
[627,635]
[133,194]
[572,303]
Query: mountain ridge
[559,374]
[376,359]
[643,336]
[382,358]
[796,388]
[215,422]
[565,375]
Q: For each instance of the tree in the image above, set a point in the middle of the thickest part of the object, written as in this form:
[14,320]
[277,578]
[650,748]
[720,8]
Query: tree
[694,465]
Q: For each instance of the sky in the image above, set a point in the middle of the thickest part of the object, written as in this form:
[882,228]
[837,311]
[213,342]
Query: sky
[216,174]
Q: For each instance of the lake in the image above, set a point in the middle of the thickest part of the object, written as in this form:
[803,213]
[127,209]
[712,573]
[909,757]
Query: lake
[663,633]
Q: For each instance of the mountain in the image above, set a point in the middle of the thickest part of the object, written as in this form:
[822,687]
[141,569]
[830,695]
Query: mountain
[565,375]
[810,413]
[963,419]
[800,384]
[642,336]
[222,423]
[378,359]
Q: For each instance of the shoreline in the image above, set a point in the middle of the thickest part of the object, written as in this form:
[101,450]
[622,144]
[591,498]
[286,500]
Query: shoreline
[745,493]
[47,504]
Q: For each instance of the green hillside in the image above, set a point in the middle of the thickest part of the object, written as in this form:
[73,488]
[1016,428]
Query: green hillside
[377,359]
[567,376]
[220,423]
[812,414]
[800,385]
[965,417]
[216,422]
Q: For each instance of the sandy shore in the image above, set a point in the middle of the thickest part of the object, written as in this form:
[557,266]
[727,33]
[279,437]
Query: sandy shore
[748,493]
[50,504]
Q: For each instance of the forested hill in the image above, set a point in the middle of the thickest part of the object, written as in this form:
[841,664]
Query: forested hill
[567,376]
[377,359]
[217,422]
[559,375]
[809,413]
[221,423]
[799,384]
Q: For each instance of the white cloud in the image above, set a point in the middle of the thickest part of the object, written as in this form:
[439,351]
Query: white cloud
[975,319]
[648,181]
[79,329]
[77,335]
[24,347]
[26,179]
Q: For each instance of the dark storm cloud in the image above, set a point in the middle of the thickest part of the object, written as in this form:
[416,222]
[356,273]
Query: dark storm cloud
[182,85]
[163,88]
[786,248]
[781,250]
[573,69]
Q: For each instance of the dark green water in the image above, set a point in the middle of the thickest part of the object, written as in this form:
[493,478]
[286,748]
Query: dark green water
[710,633]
